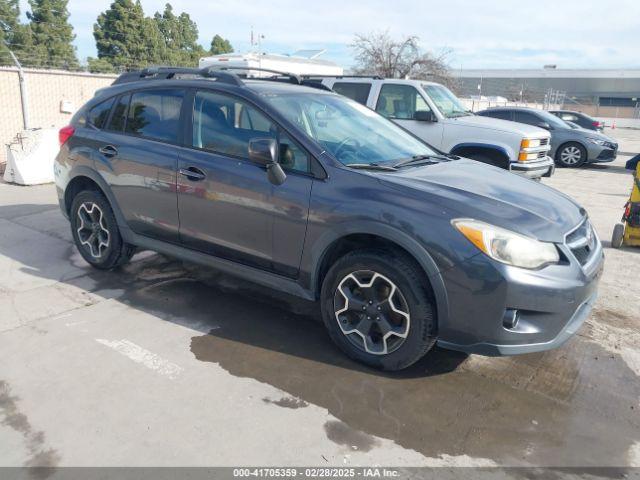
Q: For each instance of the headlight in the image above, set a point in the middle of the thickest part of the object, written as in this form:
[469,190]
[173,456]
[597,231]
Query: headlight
[597,141]
[506,246]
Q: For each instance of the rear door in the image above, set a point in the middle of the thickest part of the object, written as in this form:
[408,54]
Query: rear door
[227,205]
[138,156]
[400,102]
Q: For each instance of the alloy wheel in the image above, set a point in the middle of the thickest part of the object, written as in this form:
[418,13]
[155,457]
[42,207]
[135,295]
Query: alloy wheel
[571,155]
[372,312]
[92,232]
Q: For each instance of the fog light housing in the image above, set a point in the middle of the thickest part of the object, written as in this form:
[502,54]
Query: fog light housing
[510,319]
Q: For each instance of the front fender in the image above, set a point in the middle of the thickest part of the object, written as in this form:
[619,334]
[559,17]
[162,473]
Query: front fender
[323,244]
[500,148]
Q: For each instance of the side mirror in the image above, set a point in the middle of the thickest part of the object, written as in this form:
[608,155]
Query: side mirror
[264,151]
[425,116]
[545,125]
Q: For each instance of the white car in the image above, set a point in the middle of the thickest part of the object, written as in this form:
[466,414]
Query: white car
[433,113]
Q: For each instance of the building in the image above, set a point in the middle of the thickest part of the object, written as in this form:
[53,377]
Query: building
[599,88]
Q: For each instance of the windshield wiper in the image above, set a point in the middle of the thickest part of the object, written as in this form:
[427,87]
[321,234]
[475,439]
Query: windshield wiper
[418,159]
[372,166]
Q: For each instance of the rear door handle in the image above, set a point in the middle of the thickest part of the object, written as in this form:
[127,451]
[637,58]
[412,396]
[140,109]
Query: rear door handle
[192,173]
[109,151]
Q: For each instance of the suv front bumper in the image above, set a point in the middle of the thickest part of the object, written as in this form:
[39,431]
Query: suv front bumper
[534,168]
[551,305]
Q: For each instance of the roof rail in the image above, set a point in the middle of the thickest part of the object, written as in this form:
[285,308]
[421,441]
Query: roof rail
[166,73]
[293,78]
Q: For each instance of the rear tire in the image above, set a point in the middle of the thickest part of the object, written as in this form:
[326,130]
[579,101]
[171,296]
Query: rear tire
[378,308]
[618,235]
[95,231]
[571,155]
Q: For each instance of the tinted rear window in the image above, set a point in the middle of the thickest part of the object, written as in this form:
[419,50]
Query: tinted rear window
[355,91]
[99,114]
[119,114]
[501,114]
[155,114]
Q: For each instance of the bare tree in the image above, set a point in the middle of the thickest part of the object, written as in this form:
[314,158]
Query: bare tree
[378,54]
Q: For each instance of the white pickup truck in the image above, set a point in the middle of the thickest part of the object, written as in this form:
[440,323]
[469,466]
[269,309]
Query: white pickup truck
[433,113]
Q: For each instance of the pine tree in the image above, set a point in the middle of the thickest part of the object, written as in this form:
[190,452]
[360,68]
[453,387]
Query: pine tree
[126,38]
[180,35]
[13,34]
[220,45]
[52,35]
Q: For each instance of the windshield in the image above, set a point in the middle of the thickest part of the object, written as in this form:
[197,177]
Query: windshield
[351,132]
[448,104]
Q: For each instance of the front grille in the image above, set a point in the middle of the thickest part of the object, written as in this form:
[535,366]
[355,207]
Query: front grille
[544,141]
[583,242]
[542,155]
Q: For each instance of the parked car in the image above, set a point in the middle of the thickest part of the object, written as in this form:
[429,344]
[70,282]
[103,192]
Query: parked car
[570,146]
[581,119]
[434,114]
[308,192]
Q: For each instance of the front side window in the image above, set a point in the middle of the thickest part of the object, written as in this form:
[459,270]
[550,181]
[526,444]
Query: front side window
[99,114]
[351,132]
[355,91]
[226,125]
[400,102]
[155,114]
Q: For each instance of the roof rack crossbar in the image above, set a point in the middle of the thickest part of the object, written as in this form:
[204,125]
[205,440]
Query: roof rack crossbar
[165,73]
[293,78]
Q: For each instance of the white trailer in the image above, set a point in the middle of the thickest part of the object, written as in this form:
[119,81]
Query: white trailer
[303,62]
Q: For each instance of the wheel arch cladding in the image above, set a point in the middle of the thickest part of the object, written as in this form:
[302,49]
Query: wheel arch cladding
[496,152]
[348,242]
[84,178]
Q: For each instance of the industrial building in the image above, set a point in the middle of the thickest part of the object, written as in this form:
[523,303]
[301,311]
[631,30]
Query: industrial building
[597,88]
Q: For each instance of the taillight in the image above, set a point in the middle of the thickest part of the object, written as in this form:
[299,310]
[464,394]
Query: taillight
[65,134]
[596,124]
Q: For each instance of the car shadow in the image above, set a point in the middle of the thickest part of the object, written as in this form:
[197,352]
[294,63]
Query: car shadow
[447,404]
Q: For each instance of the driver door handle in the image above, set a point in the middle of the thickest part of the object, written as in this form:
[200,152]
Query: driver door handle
[192,173]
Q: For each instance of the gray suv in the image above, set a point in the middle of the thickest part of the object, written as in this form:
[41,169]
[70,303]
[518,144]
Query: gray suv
[571,145]
[308,192]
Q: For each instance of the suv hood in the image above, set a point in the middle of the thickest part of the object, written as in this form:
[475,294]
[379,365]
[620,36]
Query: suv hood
[469,189]
[478,121]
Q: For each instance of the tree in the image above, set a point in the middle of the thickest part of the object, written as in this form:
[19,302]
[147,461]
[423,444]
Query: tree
[13,34]
[52,35]
[180,35]
[99,65]
[379,54]
[126,38]
[220,45]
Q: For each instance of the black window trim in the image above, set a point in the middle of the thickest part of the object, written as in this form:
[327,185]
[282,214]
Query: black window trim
[317,171]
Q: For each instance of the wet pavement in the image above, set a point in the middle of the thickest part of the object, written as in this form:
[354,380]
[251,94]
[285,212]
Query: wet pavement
[167,363]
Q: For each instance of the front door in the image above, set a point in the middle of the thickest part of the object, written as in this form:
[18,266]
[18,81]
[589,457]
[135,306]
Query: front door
[399,102]
[227,205]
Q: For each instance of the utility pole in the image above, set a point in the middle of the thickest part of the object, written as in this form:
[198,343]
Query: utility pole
[22,82]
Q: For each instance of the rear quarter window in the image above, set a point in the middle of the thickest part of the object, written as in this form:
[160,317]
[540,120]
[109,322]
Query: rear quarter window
[99,114]
[355,91]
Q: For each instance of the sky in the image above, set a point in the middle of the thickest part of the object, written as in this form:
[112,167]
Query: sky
[479,33]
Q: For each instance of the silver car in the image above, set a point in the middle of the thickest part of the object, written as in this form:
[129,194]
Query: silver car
[571,145]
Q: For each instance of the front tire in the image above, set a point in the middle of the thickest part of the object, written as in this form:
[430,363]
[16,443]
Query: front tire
[571,155]
[378,308]
[95,231]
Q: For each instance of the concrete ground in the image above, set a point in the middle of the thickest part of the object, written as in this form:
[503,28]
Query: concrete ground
[165,363]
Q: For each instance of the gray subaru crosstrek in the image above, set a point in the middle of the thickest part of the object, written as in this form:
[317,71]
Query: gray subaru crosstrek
[307,192]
